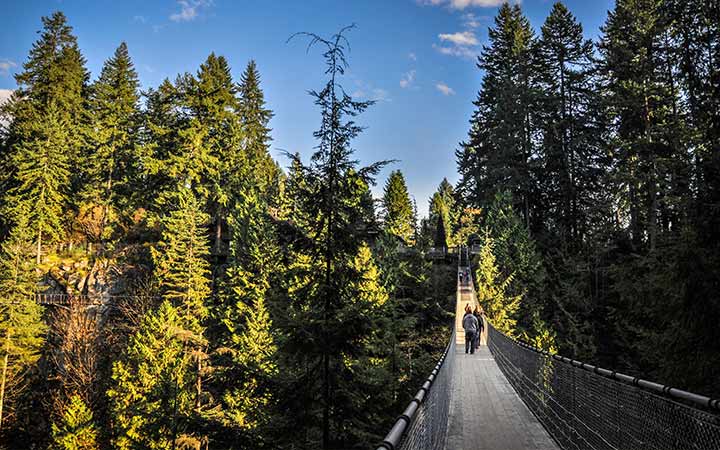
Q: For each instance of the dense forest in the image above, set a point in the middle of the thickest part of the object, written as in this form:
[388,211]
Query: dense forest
[597,169]
[212,300]
[220,301]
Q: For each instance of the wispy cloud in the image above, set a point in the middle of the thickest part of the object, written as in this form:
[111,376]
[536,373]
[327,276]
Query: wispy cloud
[457,50]
[366,91]
[407,79]
[470,20]
[139,19]
[412,56]
[444,88]
[462,4]
[464,38]
[189,10]
[6,65]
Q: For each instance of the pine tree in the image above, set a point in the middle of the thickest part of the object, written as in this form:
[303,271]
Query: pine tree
[112,167]
[571,158]
[76,430]
[53,83]
[248,366]
[517,257]
[643,105]
[21,327]
[443,214]
[499,152]
[183,273]
[152,398]
[255,119]
[181,265]
[41,180]
[398,210]
[493,290]
[332,200]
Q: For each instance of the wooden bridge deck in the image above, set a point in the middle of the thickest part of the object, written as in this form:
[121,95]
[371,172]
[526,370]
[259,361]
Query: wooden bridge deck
[486,413]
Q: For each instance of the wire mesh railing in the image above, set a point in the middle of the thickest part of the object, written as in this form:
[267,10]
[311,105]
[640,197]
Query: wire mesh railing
[587,407]
[423,424]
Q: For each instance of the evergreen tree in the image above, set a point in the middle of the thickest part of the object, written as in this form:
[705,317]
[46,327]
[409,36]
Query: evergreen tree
[571,158]
[255,120]
[111,168]
[39,195]
[332,200]
[500,153]
[181,265]
[517,259]
[643,105]
[76,430]
[183,274]
[151,400]
[53,85]
[399,216]
[21,327]
[493,290]
[443,214]
[247,367]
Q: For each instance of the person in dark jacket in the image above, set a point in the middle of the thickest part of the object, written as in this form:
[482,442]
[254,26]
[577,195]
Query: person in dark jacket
[481,325]
[471,326]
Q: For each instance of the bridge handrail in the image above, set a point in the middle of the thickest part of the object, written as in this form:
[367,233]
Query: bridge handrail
[587,407]
[400,428]
[657,388]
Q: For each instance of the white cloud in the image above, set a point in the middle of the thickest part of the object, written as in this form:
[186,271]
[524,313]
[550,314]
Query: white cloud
[189,10]
[412,56]
[464,38]
[6,65]
[457,50]
[140,19]
[462,4]
[444,88]
[470,20]
[367,91]
[407,79]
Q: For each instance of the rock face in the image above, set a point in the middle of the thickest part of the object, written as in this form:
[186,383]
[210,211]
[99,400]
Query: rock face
[98,277]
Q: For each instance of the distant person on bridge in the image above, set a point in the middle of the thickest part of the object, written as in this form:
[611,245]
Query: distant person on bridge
[471,326]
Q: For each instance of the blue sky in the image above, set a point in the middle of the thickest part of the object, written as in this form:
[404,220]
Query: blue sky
[416,57]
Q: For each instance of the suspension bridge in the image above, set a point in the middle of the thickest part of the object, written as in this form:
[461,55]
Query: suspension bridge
[512,396]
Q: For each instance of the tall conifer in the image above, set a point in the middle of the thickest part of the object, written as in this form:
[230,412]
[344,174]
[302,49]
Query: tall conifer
[398,218]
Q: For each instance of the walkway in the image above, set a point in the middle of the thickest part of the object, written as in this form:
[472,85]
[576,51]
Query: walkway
[486,413]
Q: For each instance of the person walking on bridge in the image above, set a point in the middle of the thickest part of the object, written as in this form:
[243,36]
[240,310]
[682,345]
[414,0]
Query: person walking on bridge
[471,326]
[478,313]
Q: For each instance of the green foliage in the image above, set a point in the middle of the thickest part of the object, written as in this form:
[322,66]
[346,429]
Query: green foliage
[493,290]
[517,257]
[39,195]
[22,331]
[111,166]
[76,429]
[399,216]
[248,366]
[497,155]
[181,264]
[151,399]
[443,214]
[255,119]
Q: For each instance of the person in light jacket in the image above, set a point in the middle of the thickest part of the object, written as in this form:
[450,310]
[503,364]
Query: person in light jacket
[471,327]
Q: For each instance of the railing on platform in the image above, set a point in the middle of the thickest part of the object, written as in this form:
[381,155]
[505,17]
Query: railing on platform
[587,407]
[423,424]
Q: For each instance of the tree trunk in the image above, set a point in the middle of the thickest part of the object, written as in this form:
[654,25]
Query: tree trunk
[4,377]
[39,246]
